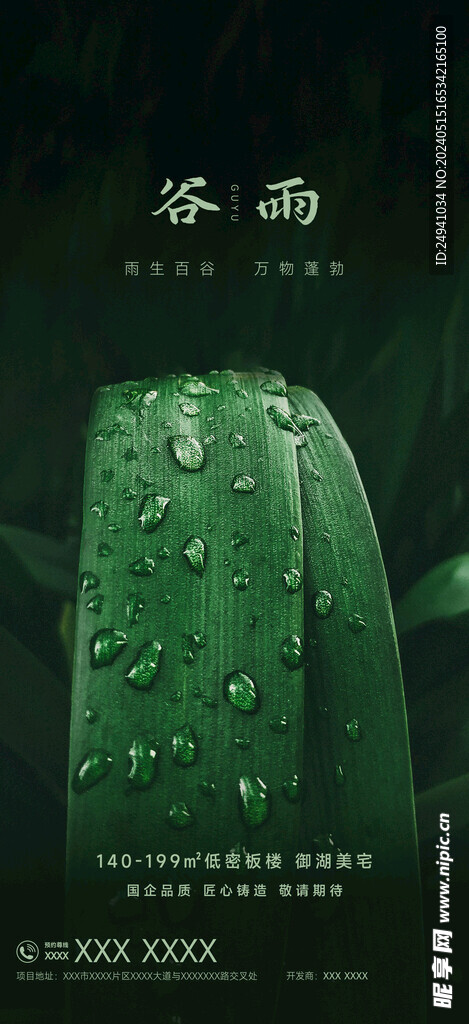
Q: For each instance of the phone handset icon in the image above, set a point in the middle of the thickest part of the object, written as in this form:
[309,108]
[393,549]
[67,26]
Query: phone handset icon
[27,951]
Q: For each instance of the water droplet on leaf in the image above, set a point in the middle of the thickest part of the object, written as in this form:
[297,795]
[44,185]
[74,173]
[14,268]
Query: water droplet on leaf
[134,605]
[197,389]
[242,743]
[100,508]
[142,566]
[185,746]
[255,801]
[292,652]
[143,756]
[104,550]
[339,776]
[195,551]
[279,725]
[93,767]
[91,715]
[129,494]
[96,604]
[152,510]
[356,623]
[274,387]
[187,451]
[353,730]
[105,646]
[145,667]
[236,440]
[189,409]
[294,532]
[207,789]
[323,604]
[243,484]
[241,691]
[180,816]
[238,539]
[106,475]
[282,419]
[293,580]
[88,581]
[240,579]
[291,789]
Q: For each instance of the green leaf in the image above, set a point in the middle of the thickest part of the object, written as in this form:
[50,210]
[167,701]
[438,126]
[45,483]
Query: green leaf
[49,562]
[443,593]
[200,696]
[35,714]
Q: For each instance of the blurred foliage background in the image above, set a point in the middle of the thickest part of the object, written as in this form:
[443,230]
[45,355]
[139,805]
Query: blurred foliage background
[102,102]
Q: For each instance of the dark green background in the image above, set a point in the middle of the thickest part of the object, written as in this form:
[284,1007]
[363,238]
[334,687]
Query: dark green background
[100,104]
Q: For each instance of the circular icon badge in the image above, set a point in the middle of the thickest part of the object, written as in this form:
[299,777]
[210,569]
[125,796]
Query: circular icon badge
[27,951]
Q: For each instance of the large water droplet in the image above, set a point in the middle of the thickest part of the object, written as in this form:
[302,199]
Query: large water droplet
[152,510]
[238,539]
[293,580]
[88,581]
[292,652]
[104,550]
[180,816]
[236,440]
[274,387]
[185,746]
[187,451]
[142,566]
[356,623]
[282,419]
[255,801]
[195,551]
[189,409]
[240,579]
[339,776]
[145,667]
[353,730]
[92,768]
[279,725]
[197,389]
[291,789]
[96,604]
[134,605]
[323,604]
[143,756]
[243,484]
[241,691]
[105,646]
